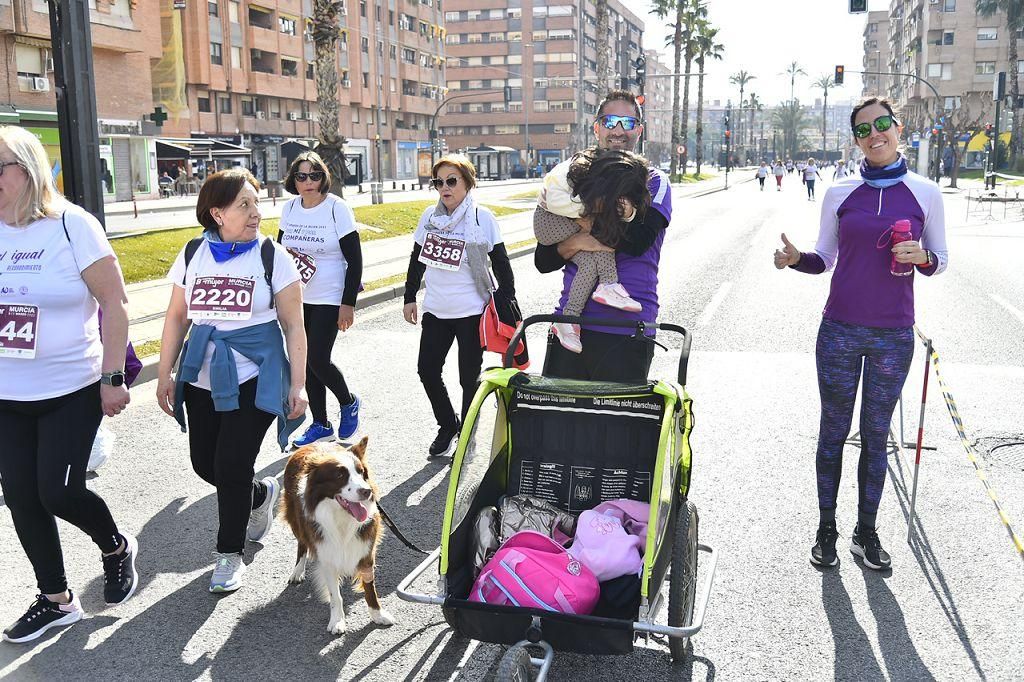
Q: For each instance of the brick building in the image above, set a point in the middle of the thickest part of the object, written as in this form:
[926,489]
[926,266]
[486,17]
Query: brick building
[247,81]
[543,52]
[125,37]
[657,110]
[876,54]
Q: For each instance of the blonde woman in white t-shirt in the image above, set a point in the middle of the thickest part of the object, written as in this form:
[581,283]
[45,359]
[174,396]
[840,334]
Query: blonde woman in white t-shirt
[319,230]
[57,379]
[451,248]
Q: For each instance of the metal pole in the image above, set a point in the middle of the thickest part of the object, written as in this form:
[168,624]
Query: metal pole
[920,440]
[77,120]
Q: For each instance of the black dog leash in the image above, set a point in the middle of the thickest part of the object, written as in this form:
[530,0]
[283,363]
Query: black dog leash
[394,529]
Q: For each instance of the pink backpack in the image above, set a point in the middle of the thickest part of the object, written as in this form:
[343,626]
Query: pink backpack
[532,570]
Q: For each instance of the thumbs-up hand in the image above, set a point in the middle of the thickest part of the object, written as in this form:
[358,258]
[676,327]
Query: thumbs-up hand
[787,255]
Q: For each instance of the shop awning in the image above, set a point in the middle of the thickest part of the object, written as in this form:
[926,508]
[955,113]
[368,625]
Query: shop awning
[485,149]
[180,149]
[169,150]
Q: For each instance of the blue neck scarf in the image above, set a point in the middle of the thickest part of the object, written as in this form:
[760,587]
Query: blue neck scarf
[880,178]
[224,251]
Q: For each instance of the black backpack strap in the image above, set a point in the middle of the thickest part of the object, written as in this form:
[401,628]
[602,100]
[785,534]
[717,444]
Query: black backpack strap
[267,256]
[190,251]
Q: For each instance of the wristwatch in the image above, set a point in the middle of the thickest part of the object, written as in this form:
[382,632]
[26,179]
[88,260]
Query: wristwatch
[115,378]
[929,262]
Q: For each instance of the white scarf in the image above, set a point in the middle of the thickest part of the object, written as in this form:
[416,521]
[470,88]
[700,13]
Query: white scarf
[476,244]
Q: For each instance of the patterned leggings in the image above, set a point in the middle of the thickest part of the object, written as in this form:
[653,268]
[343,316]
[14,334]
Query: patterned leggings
[886,355]
[593,266]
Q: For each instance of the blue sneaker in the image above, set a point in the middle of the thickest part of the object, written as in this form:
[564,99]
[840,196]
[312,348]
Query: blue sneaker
[348,423]
[315,433]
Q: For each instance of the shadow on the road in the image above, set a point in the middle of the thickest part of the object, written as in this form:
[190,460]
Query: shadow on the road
[78,634]
[854,658]
[898,651]
[685,668]
[921,548]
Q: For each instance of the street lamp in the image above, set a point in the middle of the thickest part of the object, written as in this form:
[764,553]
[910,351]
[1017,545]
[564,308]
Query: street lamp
[522,90]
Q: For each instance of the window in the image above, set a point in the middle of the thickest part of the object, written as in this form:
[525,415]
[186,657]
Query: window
[951,103]
[506,130]
[943,71]
[213,7]
[362,8]
[309,71]
[873,28]
[236,57]
[233,11]
[364,45]
[563,128]
[949,6]
[224,103]
[947,38]
[248,107]
[540,106]
[30,60]
[204,105]
[355,114]
[987,34]
[216,57]
[289,67]
[405,22]
[287,25]
[408,55]
[984,68]
[275,108]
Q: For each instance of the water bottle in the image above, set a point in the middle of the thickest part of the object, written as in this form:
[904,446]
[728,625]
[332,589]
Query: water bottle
[900,233]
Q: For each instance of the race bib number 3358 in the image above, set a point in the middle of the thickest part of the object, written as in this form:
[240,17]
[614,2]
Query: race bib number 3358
[221,298]
[443,253]
[19,329]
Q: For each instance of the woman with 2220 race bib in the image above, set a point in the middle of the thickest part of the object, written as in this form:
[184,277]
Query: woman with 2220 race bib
[319,231]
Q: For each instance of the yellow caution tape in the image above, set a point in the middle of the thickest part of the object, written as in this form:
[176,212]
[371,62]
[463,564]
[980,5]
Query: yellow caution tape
[972,453]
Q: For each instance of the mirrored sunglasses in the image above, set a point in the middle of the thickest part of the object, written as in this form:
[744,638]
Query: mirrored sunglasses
[881,124]
[609,121]
[438,183]
[315,176]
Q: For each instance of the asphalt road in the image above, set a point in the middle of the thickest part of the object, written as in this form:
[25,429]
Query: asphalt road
[951,608]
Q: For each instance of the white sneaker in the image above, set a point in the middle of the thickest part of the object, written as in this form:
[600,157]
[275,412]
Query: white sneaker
[616,296]
[568,335]
[262,517]
[227,573]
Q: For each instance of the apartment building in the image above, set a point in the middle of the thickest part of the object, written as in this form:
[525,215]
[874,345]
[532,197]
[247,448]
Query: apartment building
[247,83]
[125,36]
[546,54]
[657,110]
[876,54]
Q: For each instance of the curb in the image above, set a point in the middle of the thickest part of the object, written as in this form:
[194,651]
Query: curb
[150,363]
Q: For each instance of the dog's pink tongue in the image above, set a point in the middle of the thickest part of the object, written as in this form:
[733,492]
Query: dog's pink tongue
[357,510]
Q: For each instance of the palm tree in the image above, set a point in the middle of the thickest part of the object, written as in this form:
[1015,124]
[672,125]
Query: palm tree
[794,70]
[689,15]
[741,78]
[755,105]
[603,46]
[706,48]
[825,82]
[1014,10]
[790,119]
[331,143]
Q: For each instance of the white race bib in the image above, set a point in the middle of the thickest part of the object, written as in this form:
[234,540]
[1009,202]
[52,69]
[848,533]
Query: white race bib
[19,330]
[443,253]
[221,298]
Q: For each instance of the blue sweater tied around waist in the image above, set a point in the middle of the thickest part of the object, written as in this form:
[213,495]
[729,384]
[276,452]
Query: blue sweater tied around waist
[263,345]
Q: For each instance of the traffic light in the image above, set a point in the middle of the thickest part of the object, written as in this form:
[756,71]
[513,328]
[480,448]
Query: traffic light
[840,72]
[641,70]
[858,6]
[728,134]
[508,94]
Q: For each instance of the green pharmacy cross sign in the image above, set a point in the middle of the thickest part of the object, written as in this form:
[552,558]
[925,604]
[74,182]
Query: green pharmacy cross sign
[158,116]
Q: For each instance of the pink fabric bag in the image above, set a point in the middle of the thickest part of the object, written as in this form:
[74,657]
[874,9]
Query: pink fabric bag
[533,571]
[610,538]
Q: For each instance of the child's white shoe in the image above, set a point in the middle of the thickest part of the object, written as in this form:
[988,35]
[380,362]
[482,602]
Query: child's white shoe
[568,335]
[616,296]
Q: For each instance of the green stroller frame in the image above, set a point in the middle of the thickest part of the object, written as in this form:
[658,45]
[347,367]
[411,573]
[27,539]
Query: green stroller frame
[577,443]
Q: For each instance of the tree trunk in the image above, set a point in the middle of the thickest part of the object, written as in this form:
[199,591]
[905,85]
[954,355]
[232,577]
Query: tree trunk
[739,127]
[686,110]
[331,143]
[1012,19]
[677,42]
[699,136]
[603,46]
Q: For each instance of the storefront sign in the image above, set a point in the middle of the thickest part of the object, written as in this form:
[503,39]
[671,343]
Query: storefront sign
[112,127]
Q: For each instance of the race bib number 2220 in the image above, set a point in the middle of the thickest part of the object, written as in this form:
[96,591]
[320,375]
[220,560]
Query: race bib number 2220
[221,298]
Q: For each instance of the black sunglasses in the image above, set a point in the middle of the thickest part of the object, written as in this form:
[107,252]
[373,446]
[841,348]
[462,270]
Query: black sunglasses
[438,183]
[315,176]
[881,124]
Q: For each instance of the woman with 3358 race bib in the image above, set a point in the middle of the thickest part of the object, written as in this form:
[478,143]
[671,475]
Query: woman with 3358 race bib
[452,244]
[238,291]
[57,379]
[319,231]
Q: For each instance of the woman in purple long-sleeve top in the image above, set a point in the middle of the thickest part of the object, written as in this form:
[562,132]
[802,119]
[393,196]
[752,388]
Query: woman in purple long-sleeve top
[869,317]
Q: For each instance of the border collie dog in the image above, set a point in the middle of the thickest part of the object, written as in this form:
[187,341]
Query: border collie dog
[331,505]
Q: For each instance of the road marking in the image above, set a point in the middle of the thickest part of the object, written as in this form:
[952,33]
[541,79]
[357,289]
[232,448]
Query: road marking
[1006,304]
[428,487]
[457,673]
[713,304]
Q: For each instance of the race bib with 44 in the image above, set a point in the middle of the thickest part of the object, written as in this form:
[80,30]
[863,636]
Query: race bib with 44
[304,263]
[221,298]
[19,329]
[443,253]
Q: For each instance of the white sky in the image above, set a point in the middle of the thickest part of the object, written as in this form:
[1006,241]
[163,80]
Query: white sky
[764,36]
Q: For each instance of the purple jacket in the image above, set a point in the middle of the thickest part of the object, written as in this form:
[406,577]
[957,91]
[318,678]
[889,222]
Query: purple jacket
[638,274]
[132,364]
[853,238]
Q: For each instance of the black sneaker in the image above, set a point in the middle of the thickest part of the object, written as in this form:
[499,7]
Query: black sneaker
[41,616]
[868,547]
[443,443]
[824,551]
[119,577]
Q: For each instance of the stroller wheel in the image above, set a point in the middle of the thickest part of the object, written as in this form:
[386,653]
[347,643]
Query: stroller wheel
[515,666]
[682,590]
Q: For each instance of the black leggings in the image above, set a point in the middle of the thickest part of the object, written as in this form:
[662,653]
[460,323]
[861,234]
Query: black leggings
[321,323]
[224,446]
[46,446]
[435,342]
